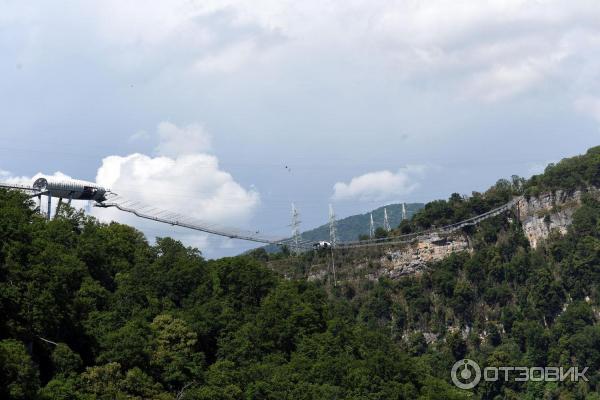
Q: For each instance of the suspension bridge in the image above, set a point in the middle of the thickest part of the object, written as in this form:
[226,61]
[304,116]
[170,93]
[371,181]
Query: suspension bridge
[103,198]
[433,232]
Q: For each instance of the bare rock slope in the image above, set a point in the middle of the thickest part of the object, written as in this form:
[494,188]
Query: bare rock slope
[538,215]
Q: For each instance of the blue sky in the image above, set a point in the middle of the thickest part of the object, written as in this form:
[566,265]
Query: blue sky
[199,106]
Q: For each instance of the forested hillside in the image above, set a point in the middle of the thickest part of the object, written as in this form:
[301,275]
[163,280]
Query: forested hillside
[93,311]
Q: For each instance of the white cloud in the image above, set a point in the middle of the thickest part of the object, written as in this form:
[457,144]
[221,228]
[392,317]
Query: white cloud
[8,177]
[188,182]
[503,81]
[182,177]
[475,46]
[175,141]
[332,67]
[228,59]
[192,184]
[380,185]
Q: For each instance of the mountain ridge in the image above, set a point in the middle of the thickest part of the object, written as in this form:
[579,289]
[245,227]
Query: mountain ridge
[351,227]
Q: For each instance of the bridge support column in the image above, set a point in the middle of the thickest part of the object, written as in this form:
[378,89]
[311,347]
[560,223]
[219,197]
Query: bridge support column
[49,205]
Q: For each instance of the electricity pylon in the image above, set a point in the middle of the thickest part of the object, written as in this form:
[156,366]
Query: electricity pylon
[332,240]
[295,229]
[386,222]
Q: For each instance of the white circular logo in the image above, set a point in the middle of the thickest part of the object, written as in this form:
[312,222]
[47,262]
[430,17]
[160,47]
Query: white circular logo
[466,374]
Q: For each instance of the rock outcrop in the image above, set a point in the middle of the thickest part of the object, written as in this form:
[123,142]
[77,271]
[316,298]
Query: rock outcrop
[549,212]
[538,215]
[414,257]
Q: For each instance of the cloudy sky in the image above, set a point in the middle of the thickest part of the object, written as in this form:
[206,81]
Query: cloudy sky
[231,110]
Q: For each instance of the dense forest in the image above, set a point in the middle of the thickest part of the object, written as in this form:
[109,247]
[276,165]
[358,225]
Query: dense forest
[94,311]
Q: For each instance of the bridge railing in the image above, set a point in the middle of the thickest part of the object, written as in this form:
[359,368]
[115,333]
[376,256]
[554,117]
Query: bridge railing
[407,238]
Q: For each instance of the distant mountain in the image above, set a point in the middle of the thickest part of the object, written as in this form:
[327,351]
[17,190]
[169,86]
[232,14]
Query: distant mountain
[350,228]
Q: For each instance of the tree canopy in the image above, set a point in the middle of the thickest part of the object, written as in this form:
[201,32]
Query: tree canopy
[94,311]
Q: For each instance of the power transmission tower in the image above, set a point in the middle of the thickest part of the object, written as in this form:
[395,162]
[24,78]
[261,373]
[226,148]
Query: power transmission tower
[295,229]
[332,240]
[371,228]
[386,222]
[332,227]
[404,216]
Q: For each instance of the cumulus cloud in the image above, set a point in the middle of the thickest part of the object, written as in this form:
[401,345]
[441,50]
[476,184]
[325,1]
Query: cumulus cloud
[379,185]
[175,141]
[8,177]
[182,179]
[190,184]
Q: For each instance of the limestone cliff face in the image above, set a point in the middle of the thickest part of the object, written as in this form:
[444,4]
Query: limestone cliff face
[414,257]
[547,212]
[538,215]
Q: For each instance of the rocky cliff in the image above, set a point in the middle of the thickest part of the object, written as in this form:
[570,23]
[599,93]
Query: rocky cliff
[539,217]
[414,257]
[549,212]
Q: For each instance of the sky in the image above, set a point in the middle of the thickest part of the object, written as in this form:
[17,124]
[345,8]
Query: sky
[229,110]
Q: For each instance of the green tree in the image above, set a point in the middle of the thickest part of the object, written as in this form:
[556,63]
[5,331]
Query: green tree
[173,353]
[64,360]
[19,378]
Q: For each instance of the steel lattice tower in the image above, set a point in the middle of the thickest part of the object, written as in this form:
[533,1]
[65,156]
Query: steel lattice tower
[295,229]
[386,222]
[332,239]
[332,227]
[371,228]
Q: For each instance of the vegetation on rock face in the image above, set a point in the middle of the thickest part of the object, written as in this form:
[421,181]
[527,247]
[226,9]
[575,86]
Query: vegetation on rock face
[573,173]
[93,311]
